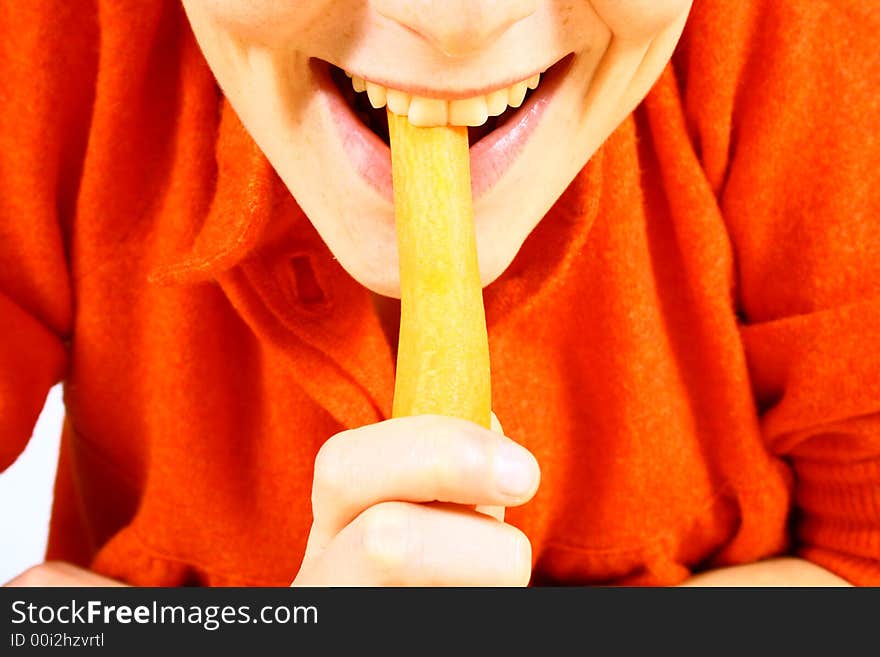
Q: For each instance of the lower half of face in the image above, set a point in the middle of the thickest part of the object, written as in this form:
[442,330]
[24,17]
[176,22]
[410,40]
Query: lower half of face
[540,83]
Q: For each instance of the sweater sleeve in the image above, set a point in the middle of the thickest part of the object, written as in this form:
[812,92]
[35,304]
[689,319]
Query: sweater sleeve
[46,64]
[793,150]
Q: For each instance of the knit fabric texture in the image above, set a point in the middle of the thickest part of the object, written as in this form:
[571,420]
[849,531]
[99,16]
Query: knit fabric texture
[689,342]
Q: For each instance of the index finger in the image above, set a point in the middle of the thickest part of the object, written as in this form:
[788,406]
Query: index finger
[417,459]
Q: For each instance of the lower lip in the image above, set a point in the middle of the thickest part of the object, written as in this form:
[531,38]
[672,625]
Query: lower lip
[490,157]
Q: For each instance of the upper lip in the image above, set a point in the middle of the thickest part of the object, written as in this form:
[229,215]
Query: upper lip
[448,93]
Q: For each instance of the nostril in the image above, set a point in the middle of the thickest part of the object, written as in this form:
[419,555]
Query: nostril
[457,27]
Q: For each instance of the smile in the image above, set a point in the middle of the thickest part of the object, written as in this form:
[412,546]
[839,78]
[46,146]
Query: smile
[427,111]
[499,121]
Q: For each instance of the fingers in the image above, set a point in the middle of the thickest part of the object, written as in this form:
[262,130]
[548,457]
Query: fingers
[404,544]
[58,573]
[496,512]
[417,459]
[418,501]
[495,424]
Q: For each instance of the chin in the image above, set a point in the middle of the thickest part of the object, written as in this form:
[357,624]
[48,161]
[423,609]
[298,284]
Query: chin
[384,281]
[381,276]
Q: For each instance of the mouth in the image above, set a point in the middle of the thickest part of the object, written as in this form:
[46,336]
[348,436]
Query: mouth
[481,114]
[499,121]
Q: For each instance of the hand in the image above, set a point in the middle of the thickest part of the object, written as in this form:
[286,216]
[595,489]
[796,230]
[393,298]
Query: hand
[58,573]
[414,501]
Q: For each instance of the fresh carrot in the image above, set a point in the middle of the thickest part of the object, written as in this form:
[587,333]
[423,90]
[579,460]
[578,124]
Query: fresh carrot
[443,352]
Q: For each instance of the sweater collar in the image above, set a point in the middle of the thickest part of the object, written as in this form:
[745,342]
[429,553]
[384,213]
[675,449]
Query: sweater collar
[252,216]
[247,193]
[255,241]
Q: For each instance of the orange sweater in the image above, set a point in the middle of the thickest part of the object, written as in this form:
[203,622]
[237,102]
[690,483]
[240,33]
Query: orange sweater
[689,342]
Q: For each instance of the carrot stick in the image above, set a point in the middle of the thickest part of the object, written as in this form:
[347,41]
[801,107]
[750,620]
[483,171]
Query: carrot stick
[443,352]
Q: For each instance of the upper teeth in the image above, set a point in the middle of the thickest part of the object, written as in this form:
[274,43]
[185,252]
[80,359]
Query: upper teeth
[426,112]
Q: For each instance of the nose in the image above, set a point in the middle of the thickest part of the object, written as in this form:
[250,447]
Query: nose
[457,27]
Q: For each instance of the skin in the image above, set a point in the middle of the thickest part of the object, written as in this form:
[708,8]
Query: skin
[259,51]
[419,500]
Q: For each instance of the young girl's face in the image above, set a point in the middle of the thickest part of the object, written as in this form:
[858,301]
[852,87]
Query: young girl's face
[283,67]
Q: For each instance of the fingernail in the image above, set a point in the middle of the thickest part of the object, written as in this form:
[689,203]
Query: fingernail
[515,470]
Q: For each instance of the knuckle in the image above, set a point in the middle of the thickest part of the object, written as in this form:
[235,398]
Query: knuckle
[386,539]
[330,474]
[456,455]
[437,462]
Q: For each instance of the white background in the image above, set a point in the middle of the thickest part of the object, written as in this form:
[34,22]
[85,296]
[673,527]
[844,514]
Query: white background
[26,494]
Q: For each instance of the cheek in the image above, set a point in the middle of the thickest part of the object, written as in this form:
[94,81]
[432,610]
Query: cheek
[639,19]
[261,21]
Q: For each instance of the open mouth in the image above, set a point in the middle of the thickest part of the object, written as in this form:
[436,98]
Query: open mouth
[500,124]
[483,114]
